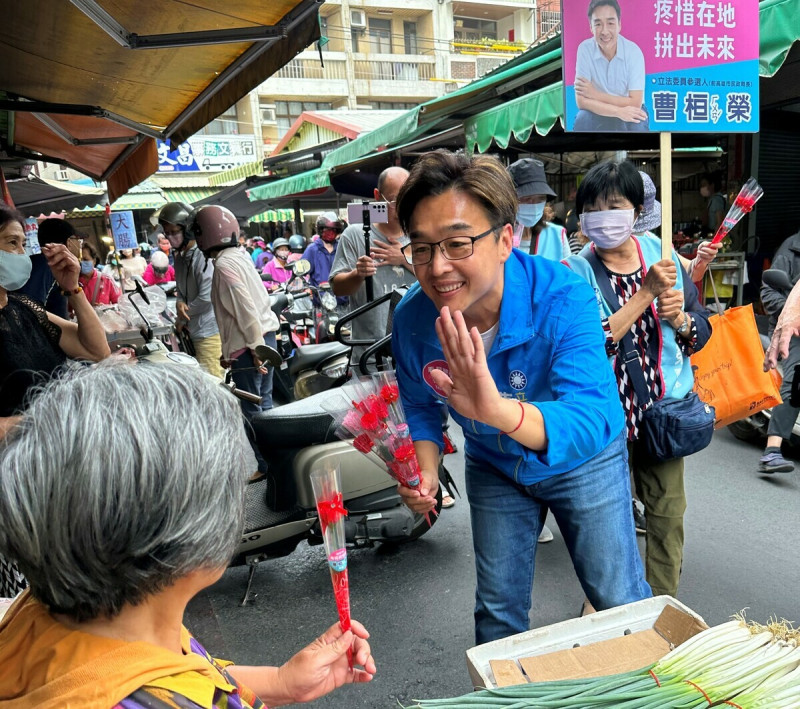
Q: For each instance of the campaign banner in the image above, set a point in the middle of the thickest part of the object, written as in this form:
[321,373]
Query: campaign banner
[669,65]
[124,230]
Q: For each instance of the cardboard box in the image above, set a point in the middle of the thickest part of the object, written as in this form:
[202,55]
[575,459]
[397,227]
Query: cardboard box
[617,640]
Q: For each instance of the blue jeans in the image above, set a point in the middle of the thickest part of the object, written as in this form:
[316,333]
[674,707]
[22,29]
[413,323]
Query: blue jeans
[253,381]
[592,505]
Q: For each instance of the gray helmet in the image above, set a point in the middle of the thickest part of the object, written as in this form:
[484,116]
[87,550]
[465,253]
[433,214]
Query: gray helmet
[280,242]
[177,214]
[172,213]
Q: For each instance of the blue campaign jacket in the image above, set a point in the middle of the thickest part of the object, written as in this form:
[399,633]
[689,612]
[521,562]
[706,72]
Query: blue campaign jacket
[549,351]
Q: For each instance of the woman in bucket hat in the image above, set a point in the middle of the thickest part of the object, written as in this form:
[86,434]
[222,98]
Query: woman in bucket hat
[532,232]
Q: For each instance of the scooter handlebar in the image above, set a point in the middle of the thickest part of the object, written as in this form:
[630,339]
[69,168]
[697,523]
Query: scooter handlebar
[245,395]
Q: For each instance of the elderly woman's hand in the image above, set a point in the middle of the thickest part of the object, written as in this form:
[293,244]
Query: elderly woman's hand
[779,344]
[322,666]
[64,265]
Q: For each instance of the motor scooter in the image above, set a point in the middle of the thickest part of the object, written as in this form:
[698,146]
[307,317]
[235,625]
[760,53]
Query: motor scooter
[753,429]
[296,439]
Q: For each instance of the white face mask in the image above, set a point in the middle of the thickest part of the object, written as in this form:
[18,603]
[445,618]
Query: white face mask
[608,229]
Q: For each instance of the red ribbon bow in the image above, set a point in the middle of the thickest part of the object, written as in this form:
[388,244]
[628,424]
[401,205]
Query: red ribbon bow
[390,393]
[404,453]
[370,421]
[362,443]
[331,511]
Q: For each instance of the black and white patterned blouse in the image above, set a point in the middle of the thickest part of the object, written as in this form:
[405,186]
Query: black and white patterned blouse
[625,286]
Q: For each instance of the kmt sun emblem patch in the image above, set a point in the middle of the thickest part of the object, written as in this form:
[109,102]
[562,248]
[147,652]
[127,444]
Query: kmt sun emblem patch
[518,380]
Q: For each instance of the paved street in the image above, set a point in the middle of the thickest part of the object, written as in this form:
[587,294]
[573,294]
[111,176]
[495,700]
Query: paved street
[741,552]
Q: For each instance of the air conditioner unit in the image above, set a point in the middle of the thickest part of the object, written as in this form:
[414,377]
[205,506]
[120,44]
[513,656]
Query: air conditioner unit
[268,115]
[358,18]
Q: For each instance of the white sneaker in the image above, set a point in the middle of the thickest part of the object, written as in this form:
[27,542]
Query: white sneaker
[545,535]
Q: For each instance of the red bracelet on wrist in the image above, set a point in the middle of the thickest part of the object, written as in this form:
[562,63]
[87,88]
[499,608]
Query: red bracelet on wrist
[521,419]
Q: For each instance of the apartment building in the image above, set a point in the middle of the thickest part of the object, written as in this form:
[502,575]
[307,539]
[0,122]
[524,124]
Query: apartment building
[392,54]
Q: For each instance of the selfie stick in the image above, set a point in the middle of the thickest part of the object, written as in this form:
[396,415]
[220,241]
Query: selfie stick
[365,218]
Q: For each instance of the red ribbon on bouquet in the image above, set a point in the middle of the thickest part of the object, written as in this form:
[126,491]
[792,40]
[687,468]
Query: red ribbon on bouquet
[331,511]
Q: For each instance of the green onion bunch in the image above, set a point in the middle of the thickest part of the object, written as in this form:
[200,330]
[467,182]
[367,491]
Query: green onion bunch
[733,664]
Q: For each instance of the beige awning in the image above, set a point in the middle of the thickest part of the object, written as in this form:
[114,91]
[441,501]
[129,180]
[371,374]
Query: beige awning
[107,78]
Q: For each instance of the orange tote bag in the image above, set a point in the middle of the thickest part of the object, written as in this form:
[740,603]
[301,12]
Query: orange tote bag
[728,371]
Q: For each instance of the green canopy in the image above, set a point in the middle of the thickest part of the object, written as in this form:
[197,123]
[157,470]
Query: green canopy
[540,110]
[780,29]
[304,182]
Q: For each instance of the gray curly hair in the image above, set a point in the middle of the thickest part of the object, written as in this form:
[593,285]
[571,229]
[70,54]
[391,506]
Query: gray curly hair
[119,480]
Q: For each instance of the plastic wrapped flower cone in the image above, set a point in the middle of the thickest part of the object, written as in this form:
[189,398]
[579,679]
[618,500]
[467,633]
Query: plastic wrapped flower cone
[750,193]
[327,487]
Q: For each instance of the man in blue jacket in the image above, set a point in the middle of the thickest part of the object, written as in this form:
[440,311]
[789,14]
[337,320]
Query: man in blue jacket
[513,344]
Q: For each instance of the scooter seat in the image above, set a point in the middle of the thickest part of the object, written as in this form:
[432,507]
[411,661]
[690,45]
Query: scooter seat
[296,425]
[309,356]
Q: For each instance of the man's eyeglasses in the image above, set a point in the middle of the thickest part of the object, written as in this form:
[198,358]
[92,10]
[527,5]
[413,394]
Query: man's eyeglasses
[453,248]
[390,202]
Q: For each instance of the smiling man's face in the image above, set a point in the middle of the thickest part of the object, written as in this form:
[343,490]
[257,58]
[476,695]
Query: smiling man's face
[606,27]
[473,285]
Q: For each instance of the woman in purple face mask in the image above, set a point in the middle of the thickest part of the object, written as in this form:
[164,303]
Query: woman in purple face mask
[657,304]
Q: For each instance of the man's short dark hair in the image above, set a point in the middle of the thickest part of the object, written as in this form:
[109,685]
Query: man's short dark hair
[608,179]
[482,177]
[594,4]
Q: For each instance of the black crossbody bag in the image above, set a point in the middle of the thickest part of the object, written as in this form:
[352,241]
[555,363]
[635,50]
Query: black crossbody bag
[670,428]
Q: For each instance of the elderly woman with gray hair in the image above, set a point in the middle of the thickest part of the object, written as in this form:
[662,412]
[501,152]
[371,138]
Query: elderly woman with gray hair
[115,546]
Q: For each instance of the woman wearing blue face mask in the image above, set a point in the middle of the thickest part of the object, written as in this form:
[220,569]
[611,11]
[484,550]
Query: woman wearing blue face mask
[532,233]
[99,288]
[34,342]
[657,304]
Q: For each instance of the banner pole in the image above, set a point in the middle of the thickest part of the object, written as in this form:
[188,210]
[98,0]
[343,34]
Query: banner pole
[666,195]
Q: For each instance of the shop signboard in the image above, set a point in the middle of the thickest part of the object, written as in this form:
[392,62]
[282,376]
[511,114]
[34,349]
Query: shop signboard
[665,66]
[207,153]
[124,230]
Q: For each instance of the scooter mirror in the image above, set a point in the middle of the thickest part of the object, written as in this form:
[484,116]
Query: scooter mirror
[266,277]
[777,279]
[269,355]
[301,267]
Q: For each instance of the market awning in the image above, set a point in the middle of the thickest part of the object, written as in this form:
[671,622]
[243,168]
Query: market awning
[236,173]
[318,179]
[90,86]
[539,110]
[275,215]
[37,195]
[189,195]
[779,29]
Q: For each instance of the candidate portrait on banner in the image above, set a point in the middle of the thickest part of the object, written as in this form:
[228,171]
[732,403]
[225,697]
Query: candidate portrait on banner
[609,75]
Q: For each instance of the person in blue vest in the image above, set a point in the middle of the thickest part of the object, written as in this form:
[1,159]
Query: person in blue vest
[513,344]
[658,305]
[532,233]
